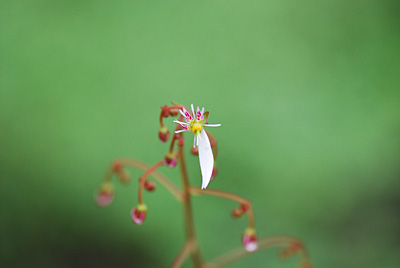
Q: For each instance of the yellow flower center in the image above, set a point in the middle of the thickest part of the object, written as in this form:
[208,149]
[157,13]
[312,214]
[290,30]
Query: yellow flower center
[196,127]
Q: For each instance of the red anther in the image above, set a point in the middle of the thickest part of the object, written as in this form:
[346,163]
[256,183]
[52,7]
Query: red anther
[194,150]
[163,134]
[139,213]
[117,167]
[149,186]
[165,111]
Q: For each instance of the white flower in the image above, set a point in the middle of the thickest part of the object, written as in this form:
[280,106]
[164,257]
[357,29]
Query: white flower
[195,123]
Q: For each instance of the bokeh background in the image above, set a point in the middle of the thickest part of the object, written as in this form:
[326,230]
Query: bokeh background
[307,93]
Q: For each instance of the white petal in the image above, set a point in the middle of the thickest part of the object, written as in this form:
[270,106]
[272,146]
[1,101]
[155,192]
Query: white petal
[182,130]
[212,125]
[182,113]
[195,117]
[206,158]
[181,123]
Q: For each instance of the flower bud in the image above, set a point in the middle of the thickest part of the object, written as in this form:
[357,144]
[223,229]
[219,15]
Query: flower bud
[149,186]
[249,239]
[173,112]
[237,212]
[105,195]
[292,249]
[124,176]
[163,134]
[170,159]
[117,167]
[138,214]
[165,111]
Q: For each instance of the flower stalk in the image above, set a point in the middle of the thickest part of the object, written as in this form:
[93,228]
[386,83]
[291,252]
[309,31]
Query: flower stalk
[205,147]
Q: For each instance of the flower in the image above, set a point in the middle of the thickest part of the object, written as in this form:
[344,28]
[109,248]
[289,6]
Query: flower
[195,122]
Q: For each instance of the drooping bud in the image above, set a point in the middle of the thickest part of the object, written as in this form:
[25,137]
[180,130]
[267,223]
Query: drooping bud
[149,186]
[249,239]
[239,211]
[305,264]
[170,159]
[292,249]
[105,195]
[194,150]
[138,214]
[165,111]
[163,134]
[124,176]
[173,112]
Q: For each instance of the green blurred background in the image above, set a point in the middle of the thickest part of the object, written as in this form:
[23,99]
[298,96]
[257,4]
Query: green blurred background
[307,93]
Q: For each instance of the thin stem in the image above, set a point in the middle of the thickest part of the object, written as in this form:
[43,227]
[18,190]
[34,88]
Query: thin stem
[264,243]
[227,195]
[182,255]
[158,176]
[143,178]
[189,224]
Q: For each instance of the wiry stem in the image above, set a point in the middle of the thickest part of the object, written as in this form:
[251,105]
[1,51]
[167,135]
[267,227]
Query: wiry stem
[144,177]
[136,164]
[189,224]
[264,243]
[230,196]
[182,255]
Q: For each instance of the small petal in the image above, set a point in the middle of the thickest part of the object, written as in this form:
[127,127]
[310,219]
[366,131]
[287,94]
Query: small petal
[206,158]
[199,114]
[193,110]
[212,125]
[187,115]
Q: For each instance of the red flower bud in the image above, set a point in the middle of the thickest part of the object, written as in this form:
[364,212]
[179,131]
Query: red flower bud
[249,239]
[105,195]
[138,214]
[170,160]
[149,186]
[163,134]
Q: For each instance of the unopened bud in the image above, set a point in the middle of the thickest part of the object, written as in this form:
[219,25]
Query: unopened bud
[237,212]
[149,186]
[292,249]
[249,239]
[105,195]
[165,111]
[124,176]
[170,160]
[163,134]
[173,112]
[138,214]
